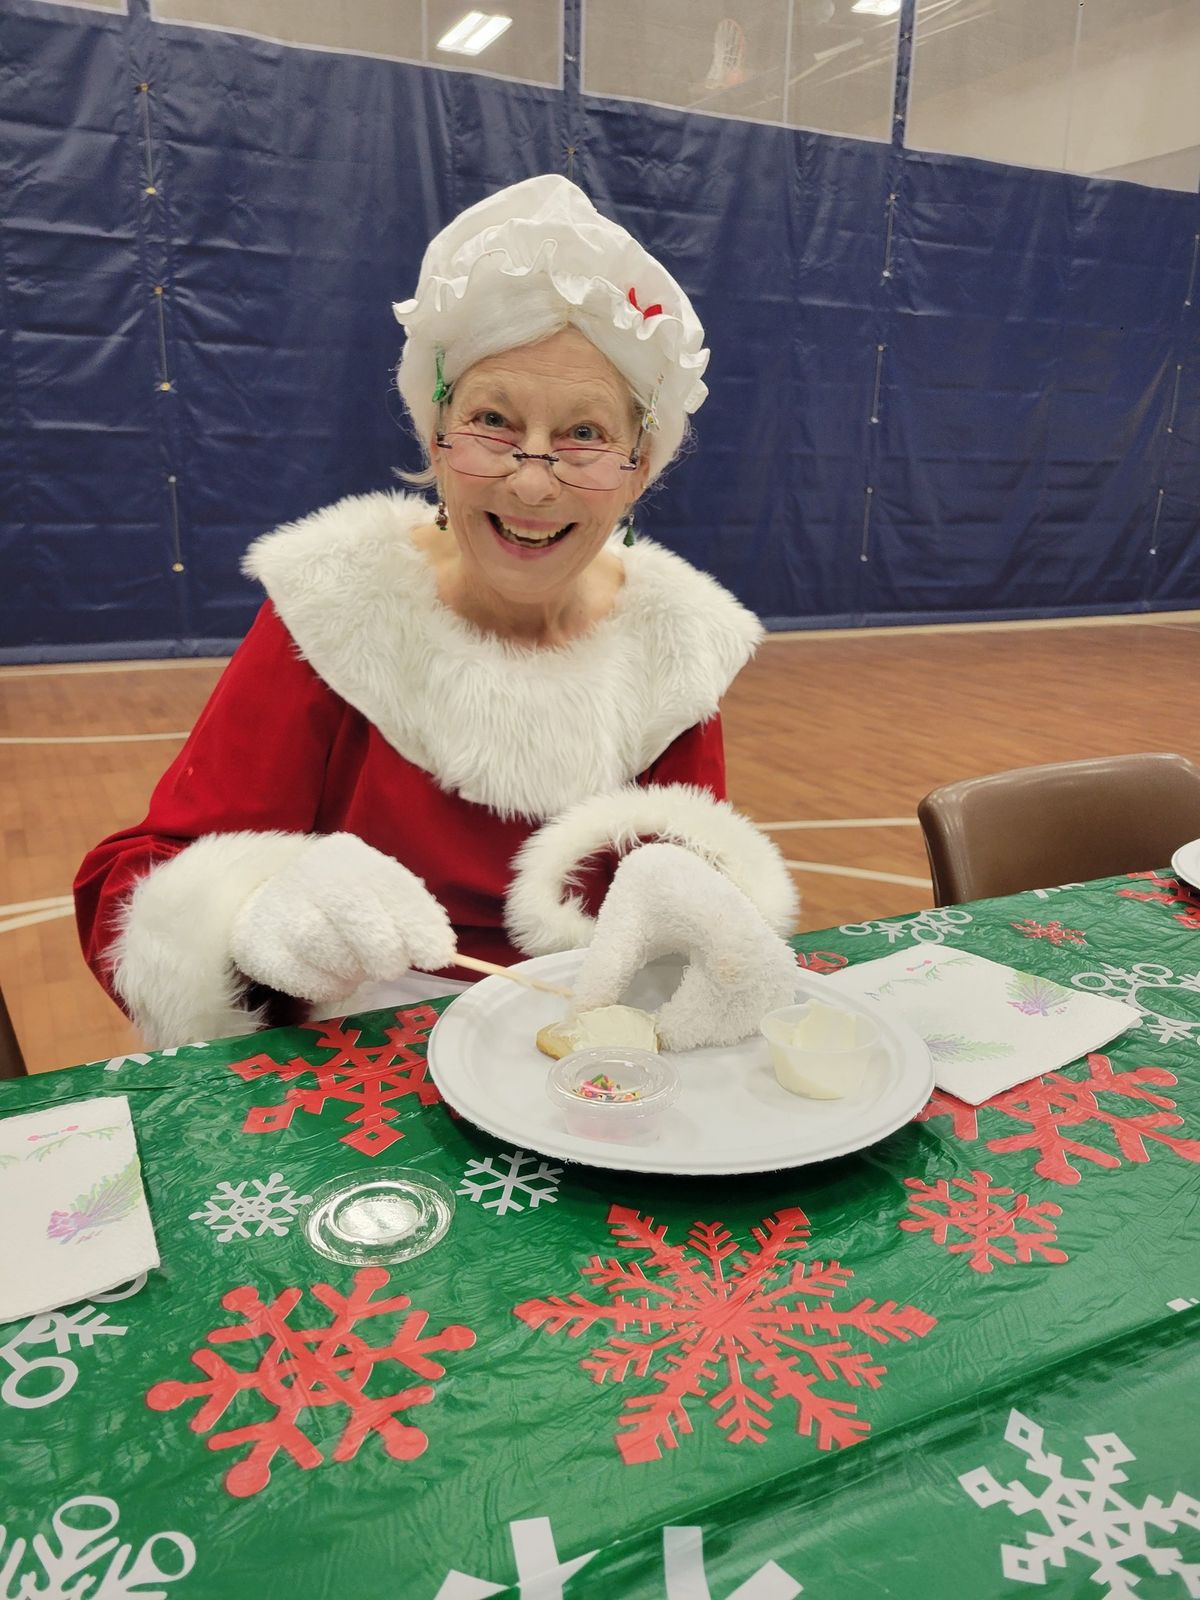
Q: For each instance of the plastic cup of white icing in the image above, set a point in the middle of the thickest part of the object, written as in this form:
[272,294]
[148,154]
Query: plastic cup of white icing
[819,1050]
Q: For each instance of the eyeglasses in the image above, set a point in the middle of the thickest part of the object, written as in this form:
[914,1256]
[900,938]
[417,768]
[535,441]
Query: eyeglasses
[580,466]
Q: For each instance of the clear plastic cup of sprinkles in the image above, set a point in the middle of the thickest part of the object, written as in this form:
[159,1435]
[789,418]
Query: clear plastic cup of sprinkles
[376,1221]
[613,1093]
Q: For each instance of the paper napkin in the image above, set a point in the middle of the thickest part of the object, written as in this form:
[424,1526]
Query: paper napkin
[987,1026]
[75,1216]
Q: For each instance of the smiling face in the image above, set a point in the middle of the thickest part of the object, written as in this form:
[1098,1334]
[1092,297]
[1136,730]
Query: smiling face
[528,537]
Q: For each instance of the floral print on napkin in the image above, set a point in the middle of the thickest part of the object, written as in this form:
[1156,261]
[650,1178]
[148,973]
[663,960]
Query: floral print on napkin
[76,1221]
[986,1026]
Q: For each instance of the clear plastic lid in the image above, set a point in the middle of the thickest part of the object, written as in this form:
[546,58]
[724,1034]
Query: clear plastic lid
[377,1221]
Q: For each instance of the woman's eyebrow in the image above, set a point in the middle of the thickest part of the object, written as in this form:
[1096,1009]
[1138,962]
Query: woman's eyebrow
[579,407]
[596,401]
[475,391]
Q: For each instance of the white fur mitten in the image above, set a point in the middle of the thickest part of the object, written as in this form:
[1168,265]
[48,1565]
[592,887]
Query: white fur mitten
[339,915]
[665,900]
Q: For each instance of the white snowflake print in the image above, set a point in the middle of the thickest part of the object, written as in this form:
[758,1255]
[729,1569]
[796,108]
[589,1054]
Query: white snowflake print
[40,1381]
[141,1057]
[503,1188]
[1145,986]
[1086,1517]
[1183,1303]
[1044,894]
[543,1573]
[83,1542]
[927,927]
[683,1560]
[230,1212]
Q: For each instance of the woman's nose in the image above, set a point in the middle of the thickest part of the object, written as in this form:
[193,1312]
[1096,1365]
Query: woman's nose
[534,482]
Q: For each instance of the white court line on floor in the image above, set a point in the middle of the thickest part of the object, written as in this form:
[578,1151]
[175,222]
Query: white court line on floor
[65,901]
[842,822]
[17,906]
[824,869]
[63,669]
[36,911]
[1127,619]
[13,923]
[1017,625]
[101,738]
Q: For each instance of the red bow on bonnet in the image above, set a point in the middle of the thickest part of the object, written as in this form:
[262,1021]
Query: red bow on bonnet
[650,311]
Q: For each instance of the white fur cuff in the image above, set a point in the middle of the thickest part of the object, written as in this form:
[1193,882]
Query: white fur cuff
[170,961]
[541,913]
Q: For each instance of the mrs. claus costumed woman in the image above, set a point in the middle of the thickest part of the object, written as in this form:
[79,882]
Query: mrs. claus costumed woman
[444,729]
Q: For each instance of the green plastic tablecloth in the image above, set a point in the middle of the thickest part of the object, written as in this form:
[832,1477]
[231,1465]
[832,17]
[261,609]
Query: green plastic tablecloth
[961,1364]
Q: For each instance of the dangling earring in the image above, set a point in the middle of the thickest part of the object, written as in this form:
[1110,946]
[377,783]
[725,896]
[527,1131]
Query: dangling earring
[442,520]
[630,532]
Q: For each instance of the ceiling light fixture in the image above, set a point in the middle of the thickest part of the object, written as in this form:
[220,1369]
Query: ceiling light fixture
[876,8]
[475,32]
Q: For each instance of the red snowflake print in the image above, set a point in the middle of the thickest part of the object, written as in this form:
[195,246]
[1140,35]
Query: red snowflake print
[1167,892]
[1053,931]
[368,1077]
[308,1368]
[1052,1105]
[708,1331]
[821,960]
[984,1227]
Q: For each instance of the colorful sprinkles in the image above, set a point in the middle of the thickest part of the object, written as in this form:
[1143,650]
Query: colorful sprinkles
[602,1087]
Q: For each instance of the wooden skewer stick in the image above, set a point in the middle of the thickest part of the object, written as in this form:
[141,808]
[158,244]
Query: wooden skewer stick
[474,964]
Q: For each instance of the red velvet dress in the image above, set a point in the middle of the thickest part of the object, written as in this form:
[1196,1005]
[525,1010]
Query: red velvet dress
[276,749]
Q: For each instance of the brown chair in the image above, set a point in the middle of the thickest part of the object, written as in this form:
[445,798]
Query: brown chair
[12,1062]
[1035,827]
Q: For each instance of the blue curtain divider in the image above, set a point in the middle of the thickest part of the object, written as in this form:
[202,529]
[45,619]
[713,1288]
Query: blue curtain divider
[941,389]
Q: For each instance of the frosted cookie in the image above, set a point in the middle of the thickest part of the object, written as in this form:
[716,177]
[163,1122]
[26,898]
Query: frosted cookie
[606,1025]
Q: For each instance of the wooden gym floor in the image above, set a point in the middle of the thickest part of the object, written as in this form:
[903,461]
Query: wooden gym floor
[832,738]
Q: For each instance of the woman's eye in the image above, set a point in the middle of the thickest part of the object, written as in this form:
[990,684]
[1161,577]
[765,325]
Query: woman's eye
[491,419]
[585,433]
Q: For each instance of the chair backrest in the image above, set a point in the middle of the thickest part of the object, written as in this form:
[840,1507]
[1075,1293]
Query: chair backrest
[1035,827]
[12,1062]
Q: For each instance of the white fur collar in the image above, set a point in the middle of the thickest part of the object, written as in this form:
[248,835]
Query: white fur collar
[524,732]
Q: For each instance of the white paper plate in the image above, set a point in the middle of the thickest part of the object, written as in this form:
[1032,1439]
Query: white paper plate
[731,1117]
[1185,863]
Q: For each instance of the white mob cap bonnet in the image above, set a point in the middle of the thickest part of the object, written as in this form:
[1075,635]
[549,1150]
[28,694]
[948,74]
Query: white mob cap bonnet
[530,260]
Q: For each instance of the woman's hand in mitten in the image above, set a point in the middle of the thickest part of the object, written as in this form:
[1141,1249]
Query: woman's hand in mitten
[666,901]
[339,915]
